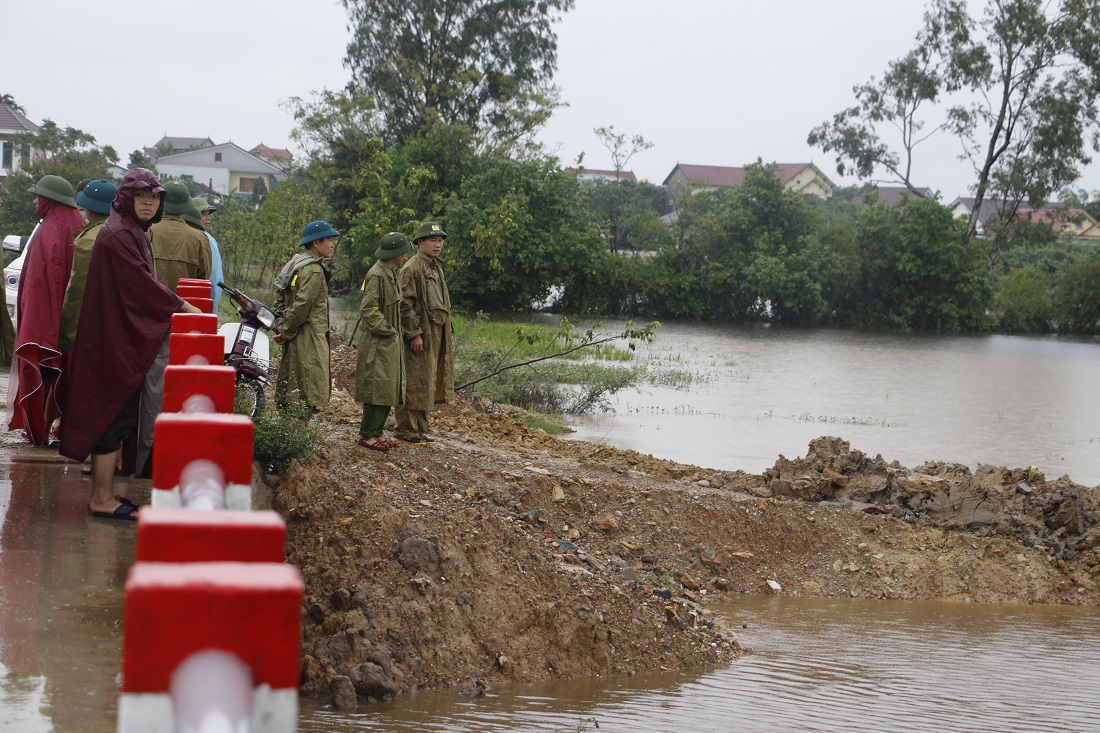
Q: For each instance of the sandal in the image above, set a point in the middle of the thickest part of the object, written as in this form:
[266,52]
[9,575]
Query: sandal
[127,512]
[379,445]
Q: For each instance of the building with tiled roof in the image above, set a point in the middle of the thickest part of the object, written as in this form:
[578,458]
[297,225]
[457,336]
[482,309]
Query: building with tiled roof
[177,145]
[12,123]
[1076,223]
[278,157]
[224,169]
[804,178]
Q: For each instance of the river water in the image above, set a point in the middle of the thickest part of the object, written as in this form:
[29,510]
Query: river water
[757,393]
[816,664]
[837,665]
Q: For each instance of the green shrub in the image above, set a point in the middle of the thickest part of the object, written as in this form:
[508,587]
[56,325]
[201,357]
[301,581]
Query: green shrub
[1023,303]
[282,436]
[1077,299]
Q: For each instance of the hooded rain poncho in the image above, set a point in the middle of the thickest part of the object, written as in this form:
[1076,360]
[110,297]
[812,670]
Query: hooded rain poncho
[126,316]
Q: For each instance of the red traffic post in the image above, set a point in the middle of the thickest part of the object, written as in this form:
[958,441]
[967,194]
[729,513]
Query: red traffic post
[193,281]
[206,305]
[181,440]
[178,612]
[178,535]
[184,381]
[184,348]
[194,323]
[194,291]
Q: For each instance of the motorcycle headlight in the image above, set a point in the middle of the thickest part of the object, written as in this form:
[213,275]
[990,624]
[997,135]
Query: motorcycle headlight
[266,317]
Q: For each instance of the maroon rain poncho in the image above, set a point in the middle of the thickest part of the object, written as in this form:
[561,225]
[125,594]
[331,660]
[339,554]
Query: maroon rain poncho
[37,363]
[126,316]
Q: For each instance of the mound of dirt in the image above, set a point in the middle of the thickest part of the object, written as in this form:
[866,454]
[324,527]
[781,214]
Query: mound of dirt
[501,553]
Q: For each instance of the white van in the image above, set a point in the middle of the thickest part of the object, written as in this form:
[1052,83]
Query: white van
[15,243]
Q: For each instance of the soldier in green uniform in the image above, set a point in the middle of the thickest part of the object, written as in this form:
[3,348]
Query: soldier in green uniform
[301,299]
[426,323]
[94,202]
[380,369]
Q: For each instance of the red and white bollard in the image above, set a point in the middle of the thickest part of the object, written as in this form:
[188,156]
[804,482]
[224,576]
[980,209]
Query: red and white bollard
[184,383]
[194,454]
[176,535]
[196,348]
[194,323]
[211,647]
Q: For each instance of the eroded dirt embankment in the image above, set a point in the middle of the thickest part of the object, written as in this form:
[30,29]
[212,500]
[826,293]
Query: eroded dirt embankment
[503,554]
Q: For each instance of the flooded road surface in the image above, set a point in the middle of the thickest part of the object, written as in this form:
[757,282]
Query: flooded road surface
[61,579]
[836,665]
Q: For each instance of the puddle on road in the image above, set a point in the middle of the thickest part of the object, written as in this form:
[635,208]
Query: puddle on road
[61,579]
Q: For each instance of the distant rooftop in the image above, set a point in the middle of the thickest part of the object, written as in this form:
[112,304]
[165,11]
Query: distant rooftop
[13,121]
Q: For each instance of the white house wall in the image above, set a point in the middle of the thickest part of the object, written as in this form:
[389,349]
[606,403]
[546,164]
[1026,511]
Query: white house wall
[216,178]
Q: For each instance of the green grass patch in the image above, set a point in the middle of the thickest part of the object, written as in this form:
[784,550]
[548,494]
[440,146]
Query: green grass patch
[544,424]
[577,383]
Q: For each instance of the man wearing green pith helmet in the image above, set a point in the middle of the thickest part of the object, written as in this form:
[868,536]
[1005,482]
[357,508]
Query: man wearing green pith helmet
[301,299]
[429,344]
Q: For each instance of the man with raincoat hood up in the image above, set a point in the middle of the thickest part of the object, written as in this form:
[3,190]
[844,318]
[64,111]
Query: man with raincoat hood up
[301,299]
[126,316]
[38,362]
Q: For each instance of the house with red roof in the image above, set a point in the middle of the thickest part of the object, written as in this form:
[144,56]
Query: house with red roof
[278,157]
[1075,223]
[805,178]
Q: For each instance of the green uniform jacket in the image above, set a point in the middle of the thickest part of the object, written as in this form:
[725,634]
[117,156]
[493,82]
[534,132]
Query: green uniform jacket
[426,311]
[179,251]
[304,369]
[74,291]
[380,370]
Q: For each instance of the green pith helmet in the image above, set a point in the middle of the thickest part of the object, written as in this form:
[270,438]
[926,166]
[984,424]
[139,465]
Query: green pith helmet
[394,244]
[193,216]
[177,199]
[55,188]
[203,204]
[97,196]
[429,229]
[315,230]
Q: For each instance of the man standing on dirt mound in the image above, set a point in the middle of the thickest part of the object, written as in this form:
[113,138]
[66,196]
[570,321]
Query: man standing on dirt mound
[429,342]
[301,296]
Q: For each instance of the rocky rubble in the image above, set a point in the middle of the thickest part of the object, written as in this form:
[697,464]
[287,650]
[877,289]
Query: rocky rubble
[502,554]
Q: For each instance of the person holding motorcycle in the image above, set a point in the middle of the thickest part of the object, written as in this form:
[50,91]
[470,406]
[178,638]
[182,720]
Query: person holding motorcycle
[301,296]
[380,370]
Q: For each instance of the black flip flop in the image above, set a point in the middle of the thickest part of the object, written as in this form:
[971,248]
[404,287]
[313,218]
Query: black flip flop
[126,500]
[123,511]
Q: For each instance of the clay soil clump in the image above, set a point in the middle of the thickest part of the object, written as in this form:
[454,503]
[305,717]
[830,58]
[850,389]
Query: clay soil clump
[502,554]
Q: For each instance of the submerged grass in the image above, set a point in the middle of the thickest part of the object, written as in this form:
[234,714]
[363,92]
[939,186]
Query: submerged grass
[576,383]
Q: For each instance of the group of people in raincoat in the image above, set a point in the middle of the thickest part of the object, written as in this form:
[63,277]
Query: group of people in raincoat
[93,317]
[406,351]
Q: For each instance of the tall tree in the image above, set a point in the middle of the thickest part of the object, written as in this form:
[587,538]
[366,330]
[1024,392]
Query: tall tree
[622,148]
[1017,86]
[485,63]
[63,151]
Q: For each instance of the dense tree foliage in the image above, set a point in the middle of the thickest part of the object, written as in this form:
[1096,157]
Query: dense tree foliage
[61,151]
[486,64]
[1017,86]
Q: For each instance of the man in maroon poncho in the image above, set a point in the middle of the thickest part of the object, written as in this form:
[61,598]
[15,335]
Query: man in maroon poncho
[37,363]
[126,316]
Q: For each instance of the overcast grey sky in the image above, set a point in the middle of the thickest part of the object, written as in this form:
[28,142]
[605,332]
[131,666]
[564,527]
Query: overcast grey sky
[718,82]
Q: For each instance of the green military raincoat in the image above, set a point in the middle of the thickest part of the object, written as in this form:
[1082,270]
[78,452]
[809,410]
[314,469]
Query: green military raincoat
[179,251]
[74,291]
[426,311]
[302,291]
[380,370]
